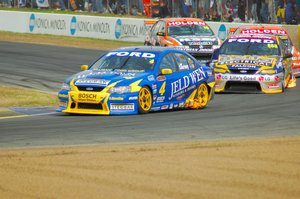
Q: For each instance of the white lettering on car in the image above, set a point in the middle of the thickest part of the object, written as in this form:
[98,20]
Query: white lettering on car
[245,40]
[179,86]
[131,54]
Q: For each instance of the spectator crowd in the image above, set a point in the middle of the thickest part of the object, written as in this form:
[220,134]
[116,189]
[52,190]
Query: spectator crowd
[254,11]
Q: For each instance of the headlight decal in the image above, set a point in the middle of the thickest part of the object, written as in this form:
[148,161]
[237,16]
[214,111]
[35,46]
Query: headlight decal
[120,89]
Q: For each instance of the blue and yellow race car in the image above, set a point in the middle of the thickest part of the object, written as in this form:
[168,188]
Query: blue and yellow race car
[136,80]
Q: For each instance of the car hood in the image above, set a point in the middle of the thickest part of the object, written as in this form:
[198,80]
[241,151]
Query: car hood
[104,78]
[248,62]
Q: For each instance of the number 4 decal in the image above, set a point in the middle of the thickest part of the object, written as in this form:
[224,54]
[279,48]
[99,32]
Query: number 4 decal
[162,89]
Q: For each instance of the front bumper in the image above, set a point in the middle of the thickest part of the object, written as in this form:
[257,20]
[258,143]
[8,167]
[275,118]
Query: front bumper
[97,103]
[226,82]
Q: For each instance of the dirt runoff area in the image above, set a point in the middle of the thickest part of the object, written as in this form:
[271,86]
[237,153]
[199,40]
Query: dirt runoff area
[252,168]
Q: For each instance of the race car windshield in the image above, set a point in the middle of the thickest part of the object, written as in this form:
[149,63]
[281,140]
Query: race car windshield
[248,48]
[115,62]
[190,30]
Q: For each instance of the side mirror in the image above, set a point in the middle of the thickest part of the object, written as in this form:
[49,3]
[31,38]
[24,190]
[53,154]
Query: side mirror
[161,34]
[232,30]
[84,67]
[166,71]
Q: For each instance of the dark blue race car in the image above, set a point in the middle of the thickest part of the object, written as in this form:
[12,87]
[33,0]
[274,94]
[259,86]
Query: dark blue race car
[136,80]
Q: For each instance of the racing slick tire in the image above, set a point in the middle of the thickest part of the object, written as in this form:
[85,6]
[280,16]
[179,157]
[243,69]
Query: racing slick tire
[202,95]
[144,100]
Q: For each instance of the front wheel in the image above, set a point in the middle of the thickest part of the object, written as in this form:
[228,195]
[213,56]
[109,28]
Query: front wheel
[144,100]
[202,95]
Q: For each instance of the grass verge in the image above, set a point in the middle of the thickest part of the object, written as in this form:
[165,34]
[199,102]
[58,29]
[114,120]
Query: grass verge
[19,97]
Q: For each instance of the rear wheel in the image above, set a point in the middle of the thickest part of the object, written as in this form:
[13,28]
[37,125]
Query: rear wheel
[202,95]
[144,100]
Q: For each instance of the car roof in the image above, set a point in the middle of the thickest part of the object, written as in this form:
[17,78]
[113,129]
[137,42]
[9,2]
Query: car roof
[273,37]
[182,19]
[157,49]
[269,27]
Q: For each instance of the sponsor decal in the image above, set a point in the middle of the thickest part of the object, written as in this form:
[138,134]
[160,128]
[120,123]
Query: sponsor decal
[171,106]
[87,97]
[118,29]
[179,86]
[246,78]
[222,34]
[272,86]
[238,78]
[31,22]
[101,82]
[183,67]
[247,40]
[122,107]
[175,105]
[88,26]
[195,43]
[73,25]
[164,107]
[184,23]
[200,49]
[161,78]
[263,31]
[238,61]
[181,104]
[180,97]
[261,78]
[155,108]
[154,97]
[242,66]
[206,43]
[45,23]
[160,99]
[131,54]
[151,78]
[116,98]
[63,95]
[196,39]
[133,98]
[123,29]
[154,86]
[154,91]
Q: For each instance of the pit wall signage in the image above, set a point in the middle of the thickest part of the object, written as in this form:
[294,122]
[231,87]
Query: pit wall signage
[111,28]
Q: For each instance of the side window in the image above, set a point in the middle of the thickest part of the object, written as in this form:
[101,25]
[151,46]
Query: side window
[155,28]
[184,62]
[168,62]
[282,47]
[162,27]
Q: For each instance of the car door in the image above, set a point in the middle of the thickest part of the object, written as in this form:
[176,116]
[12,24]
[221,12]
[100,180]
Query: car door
[173,88]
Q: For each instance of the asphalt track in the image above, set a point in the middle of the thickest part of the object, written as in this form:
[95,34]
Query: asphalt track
[227,116]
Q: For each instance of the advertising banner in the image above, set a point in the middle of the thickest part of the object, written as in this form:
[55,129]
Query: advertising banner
[110,28]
